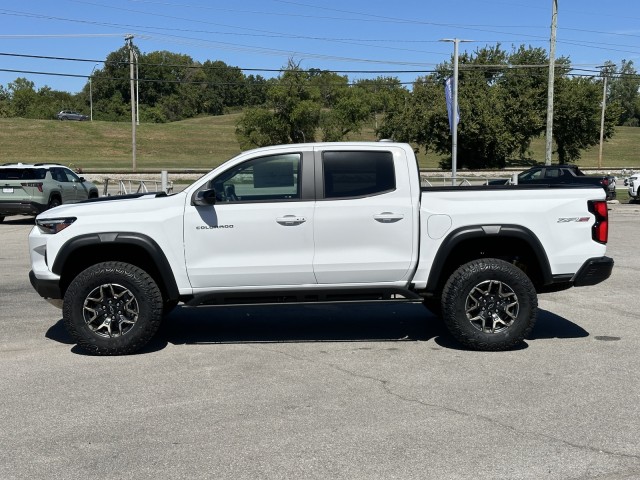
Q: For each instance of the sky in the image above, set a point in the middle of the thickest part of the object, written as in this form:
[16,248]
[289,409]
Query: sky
[359,38]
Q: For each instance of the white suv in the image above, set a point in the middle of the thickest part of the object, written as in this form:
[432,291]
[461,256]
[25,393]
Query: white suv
[28,189]
[633,182]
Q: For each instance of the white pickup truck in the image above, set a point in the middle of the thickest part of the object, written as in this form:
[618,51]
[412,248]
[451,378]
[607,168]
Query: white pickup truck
[322,222]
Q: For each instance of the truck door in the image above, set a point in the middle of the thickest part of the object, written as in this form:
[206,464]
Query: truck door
[260,230]
[364,219]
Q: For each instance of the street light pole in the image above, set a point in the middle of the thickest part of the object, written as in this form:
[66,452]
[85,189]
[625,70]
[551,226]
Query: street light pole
[552,64]
[454,128]
[605,74]
[135,54]
[129,38]
[454,108]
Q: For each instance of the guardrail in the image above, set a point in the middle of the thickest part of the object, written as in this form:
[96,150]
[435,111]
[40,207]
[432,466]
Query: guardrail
[125,187]
[446,181]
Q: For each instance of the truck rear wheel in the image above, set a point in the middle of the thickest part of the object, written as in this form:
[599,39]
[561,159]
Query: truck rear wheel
[489,305]
[112,308]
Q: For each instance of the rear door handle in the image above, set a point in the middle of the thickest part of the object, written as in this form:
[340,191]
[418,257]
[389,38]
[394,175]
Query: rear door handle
[291,220]
[388,217]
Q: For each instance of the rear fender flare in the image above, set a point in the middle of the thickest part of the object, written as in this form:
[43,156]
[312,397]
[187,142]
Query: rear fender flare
[471,232]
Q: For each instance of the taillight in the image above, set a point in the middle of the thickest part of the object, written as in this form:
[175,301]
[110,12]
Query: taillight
[37,185]
[600,229]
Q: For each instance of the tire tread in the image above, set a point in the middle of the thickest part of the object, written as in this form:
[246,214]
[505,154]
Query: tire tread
[149,293]
[461,328]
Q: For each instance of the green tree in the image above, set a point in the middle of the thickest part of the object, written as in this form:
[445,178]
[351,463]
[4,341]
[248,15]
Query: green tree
[502,108]
[224,86]
[487,124]
[624,86]
[524,93]
[5,103]
[577,117]
[349,112]
[23,96]
[420,118]
[256,88]
[301,104]
[385,94]
[327,86]
[111,87]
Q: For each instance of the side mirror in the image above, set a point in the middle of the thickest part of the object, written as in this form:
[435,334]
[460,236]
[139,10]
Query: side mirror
[205,198]
[82,180]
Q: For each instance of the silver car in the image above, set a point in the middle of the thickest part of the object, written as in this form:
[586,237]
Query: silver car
[71,115]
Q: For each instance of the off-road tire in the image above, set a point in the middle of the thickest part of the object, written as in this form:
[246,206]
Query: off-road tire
[112,308]
[489,305]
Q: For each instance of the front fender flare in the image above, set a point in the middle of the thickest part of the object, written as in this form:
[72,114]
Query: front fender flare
[121,238]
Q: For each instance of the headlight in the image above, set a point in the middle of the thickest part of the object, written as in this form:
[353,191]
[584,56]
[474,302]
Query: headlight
[54,225]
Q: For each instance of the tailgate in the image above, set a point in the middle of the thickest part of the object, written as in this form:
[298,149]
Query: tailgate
[19,190]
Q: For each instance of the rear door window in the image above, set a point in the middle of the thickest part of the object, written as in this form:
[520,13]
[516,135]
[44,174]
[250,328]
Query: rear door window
[352,174]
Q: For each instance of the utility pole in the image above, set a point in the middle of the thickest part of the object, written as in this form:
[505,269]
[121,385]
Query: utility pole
[129,39]
[137,90]
[91,91]
[605,74]
[552,64]
[454,108]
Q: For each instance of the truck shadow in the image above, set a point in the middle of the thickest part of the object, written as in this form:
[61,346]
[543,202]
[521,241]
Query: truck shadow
[316,323]
[328,323]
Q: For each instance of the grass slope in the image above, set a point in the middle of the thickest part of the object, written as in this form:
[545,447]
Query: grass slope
[200,143]
[195,143]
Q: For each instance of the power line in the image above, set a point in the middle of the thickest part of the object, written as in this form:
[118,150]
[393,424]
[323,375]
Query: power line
[590,73]
[198,65]
[270,34]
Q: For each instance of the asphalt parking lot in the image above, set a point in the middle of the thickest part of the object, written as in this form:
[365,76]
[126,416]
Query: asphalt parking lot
[326,392]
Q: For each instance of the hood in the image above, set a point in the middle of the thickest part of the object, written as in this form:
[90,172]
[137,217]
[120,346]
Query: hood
[117,204]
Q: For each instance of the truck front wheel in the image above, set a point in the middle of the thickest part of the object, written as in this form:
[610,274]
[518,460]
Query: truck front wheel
[489,305]
[112,308]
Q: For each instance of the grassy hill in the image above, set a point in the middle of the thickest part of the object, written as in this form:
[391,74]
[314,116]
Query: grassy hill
[195,143]
[199,143]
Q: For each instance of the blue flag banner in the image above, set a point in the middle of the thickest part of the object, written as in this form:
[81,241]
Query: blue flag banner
[448,94]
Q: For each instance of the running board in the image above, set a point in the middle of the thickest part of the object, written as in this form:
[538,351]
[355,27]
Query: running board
[391,294]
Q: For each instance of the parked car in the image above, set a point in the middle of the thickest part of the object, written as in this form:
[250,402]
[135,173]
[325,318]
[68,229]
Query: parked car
[564,174]
[29,189]
[71,115]
[633,182]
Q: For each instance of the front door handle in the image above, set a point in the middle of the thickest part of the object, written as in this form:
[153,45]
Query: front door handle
[291,220]
[388,217]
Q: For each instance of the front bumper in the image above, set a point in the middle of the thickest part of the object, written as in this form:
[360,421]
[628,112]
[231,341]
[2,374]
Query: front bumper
[45,288]
[593,271]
